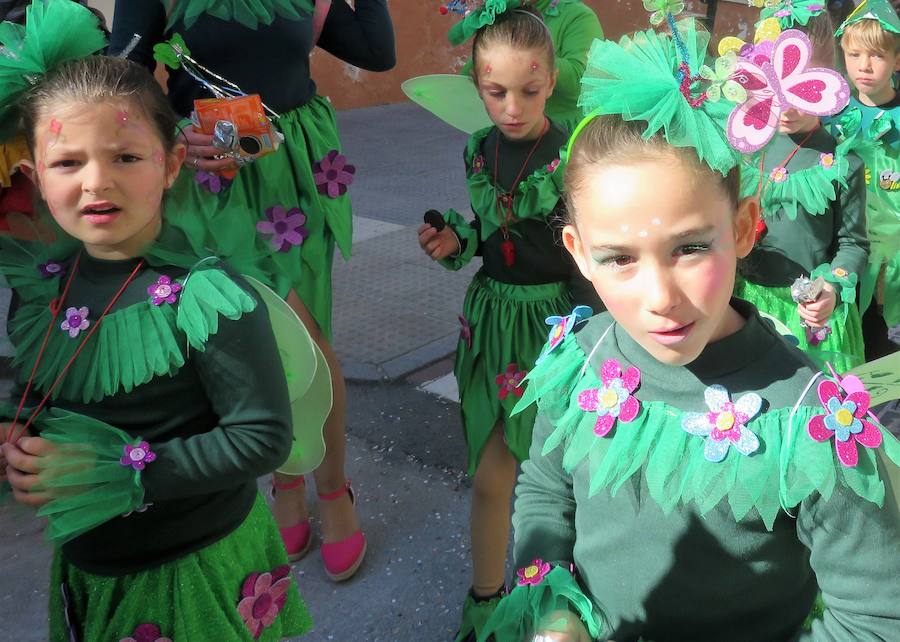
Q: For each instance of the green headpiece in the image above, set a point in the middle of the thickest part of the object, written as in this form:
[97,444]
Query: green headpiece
[655,78]
[478,14]
[880,10]
[790,12]
[55,31]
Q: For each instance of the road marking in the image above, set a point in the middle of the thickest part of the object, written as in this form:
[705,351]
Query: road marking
[444,387]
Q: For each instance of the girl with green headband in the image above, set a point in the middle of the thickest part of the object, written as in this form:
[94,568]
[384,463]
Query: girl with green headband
[692,476]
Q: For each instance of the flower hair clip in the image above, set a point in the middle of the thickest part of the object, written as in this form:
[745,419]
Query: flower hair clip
[789,13]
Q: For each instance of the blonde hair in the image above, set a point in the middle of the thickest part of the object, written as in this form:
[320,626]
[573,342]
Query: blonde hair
[820,31]
[869,35]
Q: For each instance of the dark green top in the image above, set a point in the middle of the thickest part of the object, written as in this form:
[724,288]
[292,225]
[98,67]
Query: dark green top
[691,570]
[796,245]
[217,418]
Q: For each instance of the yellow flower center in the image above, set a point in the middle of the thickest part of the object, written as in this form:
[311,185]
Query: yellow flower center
[531,571]
[839,272]
[725,421]
[557,331]
[609,399]
[844,417]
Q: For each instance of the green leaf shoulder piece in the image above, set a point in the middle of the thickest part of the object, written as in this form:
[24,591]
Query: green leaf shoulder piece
[249,13]
[777,458]
[536,196]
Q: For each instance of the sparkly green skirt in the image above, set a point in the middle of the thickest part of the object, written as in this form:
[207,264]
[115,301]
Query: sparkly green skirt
[239,588]
[301,221]
[843,348]
[503,334]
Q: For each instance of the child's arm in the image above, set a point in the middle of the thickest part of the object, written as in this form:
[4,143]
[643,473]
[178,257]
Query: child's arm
[855,553]
[574,42]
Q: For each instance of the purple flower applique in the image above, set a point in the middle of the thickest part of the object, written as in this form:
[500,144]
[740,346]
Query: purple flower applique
[845,420]
[613,401]
[137,456]
[826,160]
[164,291]
[146,633]
[551,167]
[263,595]
[815,336]
[562,326]
[76,321]
[51,269]
[213,183]
[465,331]
[725,424]
[779,175]
[533,574]
[478,164]
[333,174]
[285,226]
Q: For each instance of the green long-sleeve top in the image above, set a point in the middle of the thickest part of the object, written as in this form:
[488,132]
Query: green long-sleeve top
[215,412]
[814,214]
[573,27]
[669,545]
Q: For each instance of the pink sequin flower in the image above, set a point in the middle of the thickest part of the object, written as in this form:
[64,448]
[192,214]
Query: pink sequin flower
[465,331]
[332,174]
[263,595]
[51,269]
[826,160]
[212,183]
[725,424]
[509,381]
[146,633]
[845,421]
[613,401]
[138,456]
[779,175]
[551,167]
[76,321]
[285,226]
[164,291]
[533,574]
[478,164]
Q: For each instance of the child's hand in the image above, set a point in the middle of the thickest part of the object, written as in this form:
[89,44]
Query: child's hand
[561,626]
[200,151]
[22,468]
[817,313]
[438,245]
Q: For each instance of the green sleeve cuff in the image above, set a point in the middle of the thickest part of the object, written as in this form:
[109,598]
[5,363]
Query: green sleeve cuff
[842,278]
[541,593]
[468,240]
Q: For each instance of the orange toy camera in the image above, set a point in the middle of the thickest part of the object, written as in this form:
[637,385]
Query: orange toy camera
[255,134]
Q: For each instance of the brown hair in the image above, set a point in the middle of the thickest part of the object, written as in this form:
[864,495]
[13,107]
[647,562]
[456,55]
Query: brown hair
[820,31]
[98,79]
[521,29]
[609,140]
[870,36]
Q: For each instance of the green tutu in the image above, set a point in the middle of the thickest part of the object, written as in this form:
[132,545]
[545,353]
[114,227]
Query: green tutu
[224,217]
[239,588]
[843,348]
[503,333]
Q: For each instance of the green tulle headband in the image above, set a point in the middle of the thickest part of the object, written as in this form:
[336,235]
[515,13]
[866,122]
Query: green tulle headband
[55,31]
[790,12]
[478,14]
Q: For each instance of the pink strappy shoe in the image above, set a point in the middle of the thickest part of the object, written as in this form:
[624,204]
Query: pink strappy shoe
[343,558]
[297,539]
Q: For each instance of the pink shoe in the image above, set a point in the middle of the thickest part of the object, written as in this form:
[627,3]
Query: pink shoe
[297,539]
[343,558]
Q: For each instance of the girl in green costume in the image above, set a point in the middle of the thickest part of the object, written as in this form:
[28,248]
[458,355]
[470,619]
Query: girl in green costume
[514,186]
[293,204]
[692,476]
[147,401]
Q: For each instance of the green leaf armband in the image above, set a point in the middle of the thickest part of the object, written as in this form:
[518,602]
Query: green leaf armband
[468,240]
[844,279]
[547,598]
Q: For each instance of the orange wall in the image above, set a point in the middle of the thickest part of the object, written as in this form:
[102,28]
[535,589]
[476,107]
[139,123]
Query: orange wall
[422,46]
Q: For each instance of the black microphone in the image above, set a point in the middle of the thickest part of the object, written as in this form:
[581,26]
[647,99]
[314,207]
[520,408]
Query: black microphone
[435,219]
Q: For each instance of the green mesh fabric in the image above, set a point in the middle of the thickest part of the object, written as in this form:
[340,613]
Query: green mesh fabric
[55,32]
[788,468]
[637,79]
[478,18]
[536,195]
[88,484]
[250,13]
[791,13]
[524,611]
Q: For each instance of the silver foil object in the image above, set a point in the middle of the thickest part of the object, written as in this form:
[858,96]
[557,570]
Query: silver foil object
[803,290]
[225,136]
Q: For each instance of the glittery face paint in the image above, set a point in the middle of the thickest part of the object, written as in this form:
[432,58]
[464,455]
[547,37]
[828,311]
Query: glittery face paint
[534,66]
[55,127]
[123,117]
[488,69]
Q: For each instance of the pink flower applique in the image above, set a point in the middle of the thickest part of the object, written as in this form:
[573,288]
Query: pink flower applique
[779,175]
[845,421]
[76,321]
[551,167]
[138,456]
[725,424]
[465,331]
[509,381]
[562,326]
[478,164]
[333,174]
[533,574]
[815,336]
[212,183]
[164,291]
[146,632]
[285,226]
[826,160]
[263,595]
[51,269]
[613,401]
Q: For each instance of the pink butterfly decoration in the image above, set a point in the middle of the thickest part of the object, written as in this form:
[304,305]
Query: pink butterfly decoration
[783,83]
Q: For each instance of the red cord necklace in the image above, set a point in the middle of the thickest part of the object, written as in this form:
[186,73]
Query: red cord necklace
[505,200]
[55,307]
